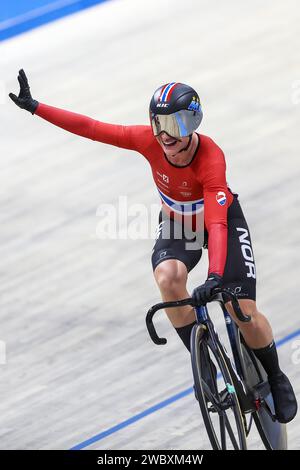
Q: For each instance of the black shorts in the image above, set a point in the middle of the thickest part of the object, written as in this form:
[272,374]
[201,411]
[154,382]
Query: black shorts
[239,273]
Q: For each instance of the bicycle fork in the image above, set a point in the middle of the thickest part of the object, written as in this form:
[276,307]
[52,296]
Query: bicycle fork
[236,370]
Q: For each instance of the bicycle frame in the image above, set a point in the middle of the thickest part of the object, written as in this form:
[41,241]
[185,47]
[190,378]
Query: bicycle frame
[203,317]
[232,332]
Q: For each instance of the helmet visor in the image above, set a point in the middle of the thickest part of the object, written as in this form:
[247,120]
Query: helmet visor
[179,124]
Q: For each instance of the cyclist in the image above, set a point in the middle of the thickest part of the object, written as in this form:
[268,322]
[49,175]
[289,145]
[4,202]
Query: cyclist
[189,172]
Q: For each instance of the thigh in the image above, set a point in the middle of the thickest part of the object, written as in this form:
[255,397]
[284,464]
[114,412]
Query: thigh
[240,270]
[171,243]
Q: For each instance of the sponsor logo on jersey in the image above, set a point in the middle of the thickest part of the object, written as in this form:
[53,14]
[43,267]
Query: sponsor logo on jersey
[185,186]
[221,198]
[163,180]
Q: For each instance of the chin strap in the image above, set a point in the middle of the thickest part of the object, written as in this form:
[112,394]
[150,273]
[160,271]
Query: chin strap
[188,144]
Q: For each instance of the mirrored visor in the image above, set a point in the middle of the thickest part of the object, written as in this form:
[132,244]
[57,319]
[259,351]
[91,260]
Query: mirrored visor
[177,125]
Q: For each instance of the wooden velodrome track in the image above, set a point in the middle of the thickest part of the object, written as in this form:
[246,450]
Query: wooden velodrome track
[78,357]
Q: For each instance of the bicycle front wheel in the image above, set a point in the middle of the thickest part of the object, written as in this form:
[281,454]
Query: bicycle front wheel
[216,393]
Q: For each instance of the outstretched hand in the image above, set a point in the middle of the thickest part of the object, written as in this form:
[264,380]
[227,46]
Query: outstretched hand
[24,100]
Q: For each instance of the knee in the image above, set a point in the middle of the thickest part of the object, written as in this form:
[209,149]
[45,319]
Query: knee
[170,277]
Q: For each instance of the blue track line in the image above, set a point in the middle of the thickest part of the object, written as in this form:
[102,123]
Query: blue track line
[158,406]
[133,419]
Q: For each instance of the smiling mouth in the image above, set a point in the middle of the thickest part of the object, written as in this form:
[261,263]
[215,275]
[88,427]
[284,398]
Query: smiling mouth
[170,144]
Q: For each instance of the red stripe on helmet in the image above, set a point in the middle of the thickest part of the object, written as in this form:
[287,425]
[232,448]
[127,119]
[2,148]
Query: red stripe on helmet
[171,91]
[162,91]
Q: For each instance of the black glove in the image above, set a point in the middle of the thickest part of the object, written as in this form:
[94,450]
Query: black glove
[202,294]
[24,100]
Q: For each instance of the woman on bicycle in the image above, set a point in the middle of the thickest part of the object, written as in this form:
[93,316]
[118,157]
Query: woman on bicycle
[198,210]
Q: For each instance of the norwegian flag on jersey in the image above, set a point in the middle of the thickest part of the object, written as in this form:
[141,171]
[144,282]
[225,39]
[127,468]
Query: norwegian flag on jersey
[167,91]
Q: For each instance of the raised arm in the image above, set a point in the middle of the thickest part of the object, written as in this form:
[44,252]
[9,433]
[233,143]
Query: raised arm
[129,137]
[120,136]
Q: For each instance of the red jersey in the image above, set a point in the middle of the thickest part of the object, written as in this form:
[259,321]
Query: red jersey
[186,192]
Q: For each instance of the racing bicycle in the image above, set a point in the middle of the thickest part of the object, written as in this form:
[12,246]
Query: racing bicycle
[232,392]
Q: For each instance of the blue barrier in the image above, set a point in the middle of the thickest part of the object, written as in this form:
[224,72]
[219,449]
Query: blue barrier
[19,16]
